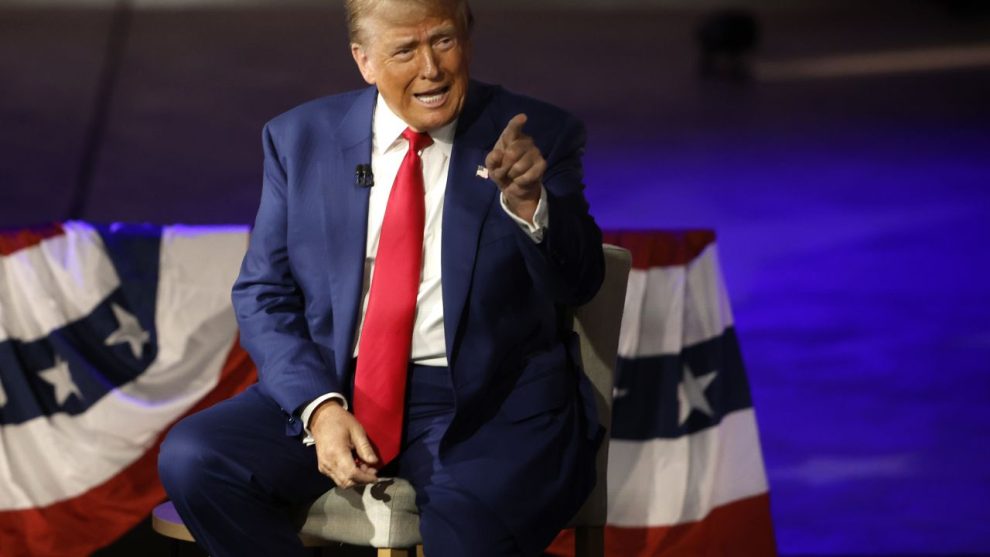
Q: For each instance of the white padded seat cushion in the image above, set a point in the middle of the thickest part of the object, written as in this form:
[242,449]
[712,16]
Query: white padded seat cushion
[383,514]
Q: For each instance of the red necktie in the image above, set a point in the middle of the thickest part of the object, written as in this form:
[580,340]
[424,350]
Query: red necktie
[386,338]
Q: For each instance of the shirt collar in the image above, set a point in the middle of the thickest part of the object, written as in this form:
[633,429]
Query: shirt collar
[387,130]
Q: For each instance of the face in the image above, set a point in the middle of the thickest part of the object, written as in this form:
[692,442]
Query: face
[419,61]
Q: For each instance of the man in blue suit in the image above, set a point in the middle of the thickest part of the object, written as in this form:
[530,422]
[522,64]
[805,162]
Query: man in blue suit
[498,429]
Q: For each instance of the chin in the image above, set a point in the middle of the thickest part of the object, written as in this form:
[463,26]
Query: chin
[431,122]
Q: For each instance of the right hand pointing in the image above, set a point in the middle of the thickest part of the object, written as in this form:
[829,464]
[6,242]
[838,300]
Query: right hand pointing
[343,450]
[516,166]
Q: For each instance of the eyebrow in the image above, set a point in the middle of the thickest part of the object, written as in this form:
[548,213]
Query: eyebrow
[445,30]
[402,43]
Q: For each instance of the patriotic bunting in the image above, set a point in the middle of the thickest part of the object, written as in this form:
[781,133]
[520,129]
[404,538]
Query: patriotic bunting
[107,336]
[686,474]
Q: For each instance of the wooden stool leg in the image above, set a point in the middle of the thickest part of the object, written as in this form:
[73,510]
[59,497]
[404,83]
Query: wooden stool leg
[389,552]
[419,551]
[589,541]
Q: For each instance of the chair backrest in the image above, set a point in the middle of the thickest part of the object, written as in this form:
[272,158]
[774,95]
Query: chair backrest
[597,323]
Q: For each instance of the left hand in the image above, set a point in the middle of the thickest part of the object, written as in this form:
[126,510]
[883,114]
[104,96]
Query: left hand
[517,166]
[343,451]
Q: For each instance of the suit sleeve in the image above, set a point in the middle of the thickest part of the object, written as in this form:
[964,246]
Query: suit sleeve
[568,265]
[270,306]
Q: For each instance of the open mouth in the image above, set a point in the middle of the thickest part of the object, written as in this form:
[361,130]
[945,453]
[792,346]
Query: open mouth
[433,97]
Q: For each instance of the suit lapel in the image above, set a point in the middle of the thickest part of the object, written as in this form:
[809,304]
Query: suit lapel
[346,206]
[467,200]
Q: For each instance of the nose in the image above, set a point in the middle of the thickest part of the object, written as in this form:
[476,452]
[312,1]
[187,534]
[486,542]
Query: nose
[428,67]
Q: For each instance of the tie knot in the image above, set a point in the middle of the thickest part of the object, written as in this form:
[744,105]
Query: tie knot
[417,140]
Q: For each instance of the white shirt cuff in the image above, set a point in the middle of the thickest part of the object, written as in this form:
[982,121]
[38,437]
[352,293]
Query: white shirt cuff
[541,217]
[308,411]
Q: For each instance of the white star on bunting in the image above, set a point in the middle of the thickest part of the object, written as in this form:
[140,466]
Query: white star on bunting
[3,396]
[691,394]
[61,379]
[128,330]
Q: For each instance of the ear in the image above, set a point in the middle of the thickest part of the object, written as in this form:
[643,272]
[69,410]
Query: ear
[364,63]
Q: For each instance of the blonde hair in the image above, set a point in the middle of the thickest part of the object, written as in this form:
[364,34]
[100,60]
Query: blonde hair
[356,10]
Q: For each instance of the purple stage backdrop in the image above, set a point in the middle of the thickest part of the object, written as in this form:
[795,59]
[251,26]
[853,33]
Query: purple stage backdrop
[852,207]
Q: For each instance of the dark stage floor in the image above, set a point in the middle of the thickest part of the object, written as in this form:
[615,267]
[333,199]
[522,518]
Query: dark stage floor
[853,212]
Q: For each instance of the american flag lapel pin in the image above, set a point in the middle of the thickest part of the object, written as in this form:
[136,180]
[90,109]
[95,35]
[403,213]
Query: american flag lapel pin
[482,172]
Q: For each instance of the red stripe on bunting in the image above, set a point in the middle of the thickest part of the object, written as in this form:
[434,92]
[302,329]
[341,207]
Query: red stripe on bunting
[83,524]
[16,240]
[739,528]
[661,248]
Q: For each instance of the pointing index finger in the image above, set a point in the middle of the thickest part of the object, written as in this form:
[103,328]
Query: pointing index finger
[512,130]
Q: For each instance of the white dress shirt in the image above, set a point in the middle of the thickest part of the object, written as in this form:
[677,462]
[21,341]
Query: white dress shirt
[388,148]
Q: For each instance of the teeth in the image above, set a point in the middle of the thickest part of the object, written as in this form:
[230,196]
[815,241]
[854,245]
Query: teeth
[433,98]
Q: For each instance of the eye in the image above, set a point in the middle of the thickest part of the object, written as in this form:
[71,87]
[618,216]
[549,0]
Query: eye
[445,43]
[403,53]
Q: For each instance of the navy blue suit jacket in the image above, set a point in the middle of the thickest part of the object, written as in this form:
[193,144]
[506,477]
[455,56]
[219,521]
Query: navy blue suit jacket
[524,433]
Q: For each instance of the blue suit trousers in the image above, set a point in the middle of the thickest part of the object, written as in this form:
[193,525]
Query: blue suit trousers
[242,485]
